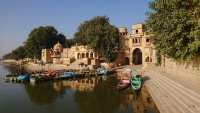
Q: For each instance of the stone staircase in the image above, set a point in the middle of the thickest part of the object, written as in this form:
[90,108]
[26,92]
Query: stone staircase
[51,66]
[171,94]
[75,65]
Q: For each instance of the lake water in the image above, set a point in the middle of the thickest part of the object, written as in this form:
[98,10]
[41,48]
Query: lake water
[78,95]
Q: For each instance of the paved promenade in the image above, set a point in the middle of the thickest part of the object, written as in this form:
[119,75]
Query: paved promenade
[171,94]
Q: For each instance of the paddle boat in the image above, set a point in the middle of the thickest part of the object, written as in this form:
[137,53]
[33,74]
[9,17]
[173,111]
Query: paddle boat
[68,74]
[136,81]
[125,79]
[36,78]
[23,77]
[11,77]
[102,71]
[48,76]
[123,84]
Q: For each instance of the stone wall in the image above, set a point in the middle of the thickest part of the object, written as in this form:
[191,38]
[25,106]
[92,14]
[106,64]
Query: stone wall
[187,72]
[45,56]
[120,59]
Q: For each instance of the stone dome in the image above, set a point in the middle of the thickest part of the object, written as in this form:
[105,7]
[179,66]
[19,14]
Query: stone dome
[123,29]
[58,46]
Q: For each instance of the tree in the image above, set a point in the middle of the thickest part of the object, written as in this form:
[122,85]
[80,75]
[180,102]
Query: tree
[175,29]
[7,56]
[42,38]
[19,53]
[62,39]
[70,42]
[98,34]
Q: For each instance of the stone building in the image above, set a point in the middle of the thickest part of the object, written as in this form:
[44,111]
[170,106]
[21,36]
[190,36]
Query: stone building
[60,55]
[136,47]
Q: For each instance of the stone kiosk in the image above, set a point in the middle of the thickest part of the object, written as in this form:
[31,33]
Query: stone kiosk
[56,53]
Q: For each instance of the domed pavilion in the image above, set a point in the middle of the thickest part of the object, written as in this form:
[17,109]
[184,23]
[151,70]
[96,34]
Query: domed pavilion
[56,53]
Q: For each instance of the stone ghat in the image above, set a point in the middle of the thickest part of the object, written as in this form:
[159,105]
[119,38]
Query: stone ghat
[170,93]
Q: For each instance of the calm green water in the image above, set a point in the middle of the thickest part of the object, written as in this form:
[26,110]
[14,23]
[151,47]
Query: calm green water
[80,95]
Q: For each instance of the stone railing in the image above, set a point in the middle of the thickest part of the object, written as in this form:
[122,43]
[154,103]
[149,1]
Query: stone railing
[56,56]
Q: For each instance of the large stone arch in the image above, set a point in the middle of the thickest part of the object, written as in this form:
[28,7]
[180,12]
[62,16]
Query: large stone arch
[137,56]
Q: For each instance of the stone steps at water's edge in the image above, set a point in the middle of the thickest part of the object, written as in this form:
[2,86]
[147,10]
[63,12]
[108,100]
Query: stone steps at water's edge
[170,96]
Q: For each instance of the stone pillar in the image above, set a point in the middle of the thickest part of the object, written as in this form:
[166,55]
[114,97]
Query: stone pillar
[149,54]
[130,61]
[163,61]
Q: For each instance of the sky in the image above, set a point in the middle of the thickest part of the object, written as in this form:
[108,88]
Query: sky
[19,17]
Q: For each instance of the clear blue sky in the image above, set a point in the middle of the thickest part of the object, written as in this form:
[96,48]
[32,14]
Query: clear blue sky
[19,17]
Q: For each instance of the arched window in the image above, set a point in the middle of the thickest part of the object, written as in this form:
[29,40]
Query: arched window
[136,31]
[147,40]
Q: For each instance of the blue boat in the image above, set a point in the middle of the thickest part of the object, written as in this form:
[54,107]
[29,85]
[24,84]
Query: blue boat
[24,77]
[68,74]
[102,71]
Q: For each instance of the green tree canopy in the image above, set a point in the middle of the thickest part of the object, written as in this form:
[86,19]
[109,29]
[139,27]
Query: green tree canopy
[7,56]
[70,42]
[19,53]
[42,38]
[98,34]
[174,28]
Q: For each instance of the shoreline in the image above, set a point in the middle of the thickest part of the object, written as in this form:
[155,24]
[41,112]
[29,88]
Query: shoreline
[50,67]
[64,66]
[7,61]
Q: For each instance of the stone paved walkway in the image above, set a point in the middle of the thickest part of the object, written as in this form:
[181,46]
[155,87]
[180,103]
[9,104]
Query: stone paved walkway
[138,67]
[171,94]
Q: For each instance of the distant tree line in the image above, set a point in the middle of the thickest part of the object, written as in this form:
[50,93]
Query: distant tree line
[39,38]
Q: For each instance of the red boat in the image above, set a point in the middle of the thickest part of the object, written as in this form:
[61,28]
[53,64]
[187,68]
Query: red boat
[125,79]
[48,75]
[123,84]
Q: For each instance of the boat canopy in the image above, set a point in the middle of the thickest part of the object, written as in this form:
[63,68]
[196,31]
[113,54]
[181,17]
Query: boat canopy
[134,71]
[127,71]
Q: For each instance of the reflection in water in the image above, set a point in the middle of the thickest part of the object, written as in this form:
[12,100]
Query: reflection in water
[91,95]
[44,93]
[13,69]
[141,102]
[102,99]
